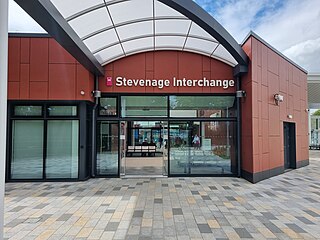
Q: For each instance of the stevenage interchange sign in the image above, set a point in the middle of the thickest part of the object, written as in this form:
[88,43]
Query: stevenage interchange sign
[162,83]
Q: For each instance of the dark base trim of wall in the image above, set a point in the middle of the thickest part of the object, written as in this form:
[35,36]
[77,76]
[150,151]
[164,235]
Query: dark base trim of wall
[257,177]
[303,163]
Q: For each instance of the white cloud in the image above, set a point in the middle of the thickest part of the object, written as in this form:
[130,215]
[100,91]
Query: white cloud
[237,16]
[306,53]
[295,31]
[291,26]
[296,22]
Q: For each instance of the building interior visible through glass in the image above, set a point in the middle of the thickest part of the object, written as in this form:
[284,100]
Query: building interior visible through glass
[315,131]
[149,135]
[145,145]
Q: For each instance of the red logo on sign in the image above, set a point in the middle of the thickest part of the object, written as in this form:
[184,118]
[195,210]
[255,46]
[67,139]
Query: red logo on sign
[109,81]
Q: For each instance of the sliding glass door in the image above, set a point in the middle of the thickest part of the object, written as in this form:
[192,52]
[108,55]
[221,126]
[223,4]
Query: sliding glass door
[202,147]
[107,148]
[187,135]
[45,142]
[27,149]
[62,149]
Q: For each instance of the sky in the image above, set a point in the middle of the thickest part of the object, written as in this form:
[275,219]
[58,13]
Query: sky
[290,26]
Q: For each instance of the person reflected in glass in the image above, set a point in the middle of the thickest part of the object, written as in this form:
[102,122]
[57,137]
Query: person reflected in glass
[196,141]
[145,143]
[160,142]
[152,143]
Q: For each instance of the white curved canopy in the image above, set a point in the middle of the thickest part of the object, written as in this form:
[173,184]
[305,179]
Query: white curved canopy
[313,90]
[112,29]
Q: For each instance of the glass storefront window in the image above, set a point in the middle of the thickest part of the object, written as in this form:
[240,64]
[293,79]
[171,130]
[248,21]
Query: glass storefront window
[27,149]
[107,148]
[146,131]
[202,148]
[28,111]
[62,110]
[62,149]
[45,148]
[202,106]
[144,106]
[108,107]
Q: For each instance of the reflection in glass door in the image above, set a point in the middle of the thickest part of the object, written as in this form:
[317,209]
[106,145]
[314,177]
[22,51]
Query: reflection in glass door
[164,147]
[202,148]
[143,148]
[62,149]
[27,149]
[180,147]
[107,148]
[123,147]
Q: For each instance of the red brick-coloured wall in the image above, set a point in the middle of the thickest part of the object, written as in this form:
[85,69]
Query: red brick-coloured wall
[40,69]
[166,65]
[262,120]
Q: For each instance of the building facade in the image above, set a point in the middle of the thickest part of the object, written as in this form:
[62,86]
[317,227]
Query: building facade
[158,111]
[315,132]
[314,103]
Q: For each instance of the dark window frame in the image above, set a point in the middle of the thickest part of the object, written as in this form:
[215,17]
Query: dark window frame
[45,117]
[27,105]
[169,120]
[168,117]
[200,175]
[187,95]
[145,95]
[96,150]
[61,105]
[117,106]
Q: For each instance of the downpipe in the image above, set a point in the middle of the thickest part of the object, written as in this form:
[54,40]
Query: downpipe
[96,94]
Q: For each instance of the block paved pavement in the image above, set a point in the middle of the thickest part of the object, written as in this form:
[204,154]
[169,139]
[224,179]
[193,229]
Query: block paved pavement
[283,207]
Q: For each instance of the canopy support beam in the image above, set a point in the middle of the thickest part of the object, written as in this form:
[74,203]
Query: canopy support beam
[3,103]
[50,19]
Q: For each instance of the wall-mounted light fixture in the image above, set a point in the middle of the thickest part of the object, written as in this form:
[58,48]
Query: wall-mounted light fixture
[241,94]
[82,93]
[96,94]
[278,98]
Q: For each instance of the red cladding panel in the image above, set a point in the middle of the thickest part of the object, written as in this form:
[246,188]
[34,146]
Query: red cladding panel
[13,90]
[166,65]
[59,88]
[39,57]
[273,61]
[190,66]
[25,50]
[269,74]
[150,61]
[131,67]
[14,60]
[206,64]
[25,81]
[38,90]
[29,68]
[85,82]
[58,54]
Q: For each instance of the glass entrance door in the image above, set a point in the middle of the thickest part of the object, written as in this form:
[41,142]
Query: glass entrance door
[107,148]
[143,148]
[202,147]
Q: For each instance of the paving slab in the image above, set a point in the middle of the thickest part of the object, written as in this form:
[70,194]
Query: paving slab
[283,207]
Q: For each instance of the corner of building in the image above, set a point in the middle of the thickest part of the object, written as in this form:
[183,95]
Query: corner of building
[271,73]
